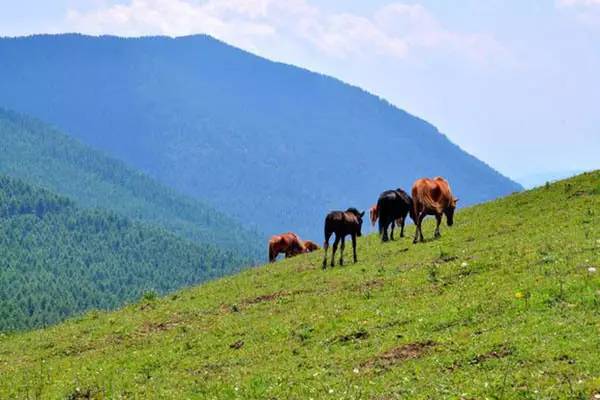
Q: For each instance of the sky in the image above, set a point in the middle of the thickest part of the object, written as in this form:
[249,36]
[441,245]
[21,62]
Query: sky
[516,83]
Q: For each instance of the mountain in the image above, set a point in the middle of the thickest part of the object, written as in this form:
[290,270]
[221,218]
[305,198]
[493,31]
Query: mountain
[59,260]
[504,305]
[273,145]
[39,154]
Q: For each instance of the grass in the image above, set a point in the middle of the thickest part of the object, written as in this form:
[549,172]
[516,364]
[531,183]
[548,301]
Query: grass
[505,305]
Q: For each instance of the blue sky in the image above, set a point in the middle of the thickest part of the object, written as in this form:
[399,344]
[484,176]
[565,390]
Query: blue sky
[514,82]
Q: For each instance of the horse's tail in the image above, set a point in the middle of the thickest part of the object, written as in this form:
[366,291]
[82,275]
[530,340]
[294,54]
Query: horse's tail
[272,253]
[411,209]
[414,212]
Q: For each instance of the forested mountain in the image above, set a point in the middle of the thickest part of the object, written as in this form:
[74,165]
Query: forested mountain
[58,260]
[39,154]
[271,144]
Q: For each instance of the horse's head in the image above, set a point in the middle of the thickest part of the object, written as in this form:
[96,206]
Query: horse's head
[359,219]
[450,211]
[310,246]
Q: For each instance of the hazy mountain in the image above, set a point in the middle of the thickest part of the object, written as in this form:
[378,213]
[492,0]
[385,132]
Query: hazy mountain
[274,145]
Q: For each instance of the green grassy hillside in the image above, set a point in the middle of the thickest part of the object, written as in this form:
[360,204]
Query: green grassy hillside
[58,260]
[39,154]
[505,305]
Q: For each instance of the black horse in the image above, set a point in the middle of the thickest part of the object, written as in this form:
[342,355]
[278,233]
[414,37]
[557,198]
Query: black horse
[393,205]
[342,223]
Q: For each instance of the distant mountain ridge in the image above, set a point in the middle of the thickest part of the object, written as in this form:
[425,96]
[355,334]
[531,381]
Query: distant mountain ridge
[39,154]
[273,145]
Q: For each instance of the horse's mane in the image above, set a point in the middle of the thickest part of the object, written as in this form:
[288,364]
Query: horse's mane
[403,194]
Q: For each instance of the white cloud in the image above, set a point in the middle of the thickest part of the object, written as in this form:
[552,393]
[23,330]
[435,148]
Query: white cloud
[397,30]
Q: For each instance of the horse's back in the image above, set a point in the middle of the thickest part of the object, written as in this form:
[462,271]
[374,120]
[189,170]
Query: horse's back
[275,239]
[284,239]
[393,204]
[334,216]
[340,221]
[430,194]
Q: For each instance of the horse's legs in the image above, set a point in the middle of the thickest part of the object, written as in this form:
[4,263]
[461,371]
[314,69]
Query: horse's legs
[438,220]
[354,247]
[383,229]
[335,246]
[417,225]
[417,215]
[342,247]
[421,219]
[419,232]
[402,222]
[393,225]
[326,247]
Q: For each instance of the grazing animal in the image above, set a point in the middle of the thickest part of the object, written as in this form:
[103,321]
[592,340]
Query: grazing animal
[288,243]
[373,214]
[393,206]
[432,197]
[310,246]
[342,223]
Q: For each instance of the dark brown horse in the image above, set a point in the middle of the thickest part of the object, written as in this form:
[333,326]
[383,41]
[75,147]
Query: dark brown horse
[393,206]
[432,197]
[342,223]
[310,246]
[288,243]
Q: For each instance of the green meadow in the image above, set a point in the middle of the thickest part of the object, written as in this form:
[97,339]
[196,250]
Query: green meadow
[506,305]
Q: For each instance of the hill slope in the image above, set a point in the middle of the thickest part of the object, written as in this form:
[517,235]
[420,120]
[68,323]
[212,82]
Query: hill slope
[505,305]
[268,143]
[58,260]
[37,153]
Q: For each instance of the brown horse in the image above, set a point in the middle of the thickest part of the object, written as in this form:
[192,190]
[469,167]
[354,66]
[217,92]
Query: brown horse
[310,246]
[432,197]
[374,214]
[342,223]
[288,243]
